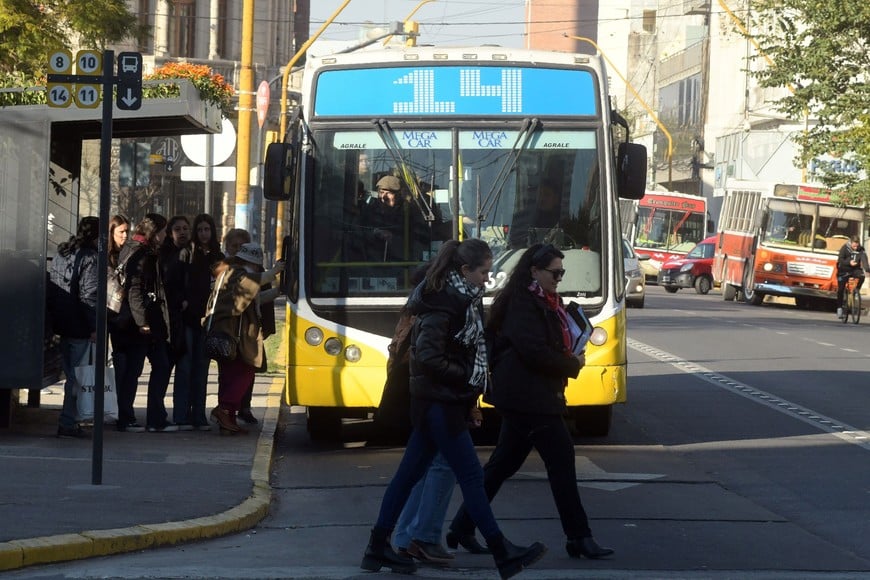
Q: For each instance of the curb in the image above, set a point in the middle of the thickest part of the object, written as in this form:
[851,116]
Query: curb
[17,554]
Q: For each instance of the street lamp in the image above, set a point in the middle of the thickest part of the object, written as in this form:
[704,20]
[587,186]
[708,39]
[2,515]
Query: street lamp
[640,100]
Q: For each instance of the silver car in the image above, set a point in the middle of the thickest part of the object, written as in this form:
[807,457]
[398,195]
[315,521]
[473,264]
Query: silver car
[635,280]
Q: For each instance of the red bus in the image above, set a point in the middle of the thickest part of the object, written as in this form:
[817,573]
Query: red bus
[782,240]
[663,225]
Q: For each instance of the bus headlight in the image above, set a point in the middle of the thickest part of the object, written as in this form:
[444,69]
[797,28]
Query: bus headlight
[332,346]
[313,336]
[353,353]
[599,336]
[768,267]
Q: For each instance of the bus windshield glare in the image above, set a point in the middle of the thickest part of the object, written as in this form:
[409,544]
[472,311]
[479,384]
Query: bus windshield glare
[368,241]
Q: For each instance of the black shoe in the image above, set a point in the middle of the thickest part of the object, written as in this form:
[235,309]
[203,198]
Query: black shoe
[430,553]
[467,541]
[512,559]
[130,428]
[164,428]
[72,432]
[586,547]
[380,554]
[246,416]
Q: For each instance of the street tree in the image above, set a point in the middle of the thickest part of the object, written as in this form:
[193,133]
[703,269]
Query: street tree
[30,30]
[820,50]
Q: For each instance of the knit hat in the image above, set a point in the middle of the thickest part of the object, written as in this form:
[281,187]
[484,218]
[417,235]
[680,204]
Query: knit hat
[390,182]
[251,252]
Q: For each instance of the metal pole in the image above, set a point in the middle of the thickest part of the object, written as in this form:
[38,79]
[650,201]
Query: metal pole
[103,264]
[246,99]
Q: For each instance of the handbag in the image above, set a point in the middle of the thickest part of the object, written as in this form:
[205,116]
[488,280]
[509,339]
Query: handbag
[117,286]
[220,345]
[85,378]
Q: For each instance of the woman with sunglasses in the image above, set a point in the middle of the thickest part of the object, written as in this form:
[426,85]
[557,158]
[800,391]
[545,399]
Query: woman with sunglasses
[532,360]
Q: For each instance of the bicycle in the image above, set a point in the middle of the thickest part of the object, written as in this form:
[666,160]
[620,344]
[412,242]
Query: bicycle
[852,301]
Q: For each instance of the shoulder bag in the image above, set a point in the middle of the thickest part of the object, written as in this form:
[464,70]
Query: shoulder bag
[220,345]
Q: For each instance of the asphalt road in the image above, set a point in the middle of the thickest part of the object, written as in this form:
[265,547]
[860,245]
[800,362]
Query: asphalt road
[743,452]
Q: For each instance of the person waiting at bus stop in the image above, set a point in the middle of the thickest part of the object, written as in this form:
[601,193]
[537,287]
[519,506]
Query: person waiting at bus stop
[448,367]
[851,263]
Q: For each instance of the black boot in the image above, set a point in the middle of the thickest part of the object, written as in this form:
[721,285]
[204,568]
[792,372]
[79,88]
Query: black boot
[467,541]
[587,547]
[379,553]
[512,559]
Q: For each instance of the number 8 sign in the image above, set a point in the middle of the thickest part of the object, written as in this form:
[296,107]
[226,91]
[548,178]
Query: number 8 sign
[60,62]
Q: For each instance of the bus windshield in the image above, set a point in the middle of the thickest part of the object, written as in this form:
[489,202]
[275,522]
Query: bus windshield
[821,227]
[673,230]
[477,182]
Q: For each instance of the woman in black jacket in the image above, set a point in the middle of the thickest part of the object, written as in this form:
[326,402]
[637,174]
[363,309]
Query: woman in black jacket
[448,369]
[532,360]
[143,328]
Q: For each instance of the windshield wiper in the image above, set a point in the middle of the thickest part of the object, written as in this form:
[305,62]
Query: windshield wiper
[525,135]
[388,137]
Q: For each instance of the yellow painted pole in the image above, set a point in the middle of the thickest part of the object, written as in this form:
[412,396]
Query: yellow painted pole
[643,103]
[246,102]
[408,17]
[286,78]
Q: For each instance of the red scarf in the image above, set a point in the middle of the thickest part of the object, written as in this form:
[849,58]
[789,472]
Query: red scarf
[554,303]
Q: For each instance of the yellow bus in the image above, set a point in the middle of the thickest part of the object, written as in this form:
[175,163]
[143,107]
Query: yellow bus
[512,146]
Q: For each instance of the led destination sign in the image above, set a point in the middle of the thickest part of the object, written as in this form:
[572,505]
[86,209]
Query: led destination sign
[455,91]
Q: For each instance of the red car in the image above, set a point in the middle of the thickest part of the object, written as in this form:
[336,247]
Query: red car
[694,270]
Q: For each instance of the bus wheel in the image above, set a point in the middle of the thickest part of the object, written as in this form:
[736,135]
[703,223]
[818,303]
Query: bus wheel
[703,285]
[593,420]
[324,423]
[729,292]
[750,295]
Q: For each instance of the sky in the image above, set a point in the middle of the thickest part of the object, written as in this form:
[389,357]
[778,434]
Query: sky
[442,22]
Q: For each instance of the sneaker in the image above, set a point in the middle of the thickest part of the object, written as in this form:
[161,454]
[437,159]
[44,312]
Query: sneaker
[431,553]
[839,313]
[184,426]
[71,432]
[165,428]
[246,416]
[130,428]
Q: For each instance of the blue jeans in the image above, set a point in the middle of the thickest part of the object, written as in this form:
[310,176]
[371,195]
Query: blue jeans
[422,518]
[130,360]
[72,351]
[425,442]
[191,380]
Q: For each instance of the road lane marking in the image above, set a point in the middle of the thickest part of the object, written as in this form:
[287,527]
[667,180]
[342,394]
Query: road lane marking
[591,476]
[839,429]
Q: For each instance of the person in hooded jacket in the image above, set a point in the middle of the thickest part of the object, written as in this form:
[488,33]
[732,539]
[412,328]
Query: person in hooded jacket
[448,368]
[532,360]
[236,305]
[143,329]
[72,302]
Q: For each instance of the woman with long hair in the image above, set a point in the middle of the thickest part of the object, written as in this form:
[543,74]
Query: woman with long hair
[119,229]
[532,360]
[144,328]
[174,271]
[191,371]
[448,367]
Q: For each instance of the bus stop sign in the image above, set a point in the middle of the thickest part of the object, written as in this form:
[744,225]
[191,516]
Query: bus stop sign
[129,97]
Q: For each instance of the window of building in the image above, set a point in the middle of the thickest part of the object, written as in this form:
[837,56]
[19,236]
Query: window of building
[182,28]
[649,21]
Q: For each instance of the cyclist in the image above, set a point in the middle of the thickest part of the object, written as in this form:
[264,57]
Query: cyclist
[851,262]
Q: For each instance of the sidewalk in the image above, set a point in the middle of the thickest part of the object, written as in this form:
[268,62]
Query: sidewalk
[157,488]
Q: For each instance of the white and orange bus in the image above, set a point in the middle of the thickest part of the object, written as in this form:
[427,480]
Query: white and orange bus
[778,239]
[663,225]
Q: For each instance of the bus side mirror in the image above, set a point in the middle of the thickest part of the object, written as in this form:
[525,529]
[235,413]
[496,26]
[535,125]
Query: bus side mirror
[279,172]
[631,171]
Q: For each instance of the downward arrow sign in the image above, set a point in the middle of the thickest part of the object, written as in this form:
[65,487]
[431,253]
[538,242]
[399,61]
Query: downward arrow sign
[129,99]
